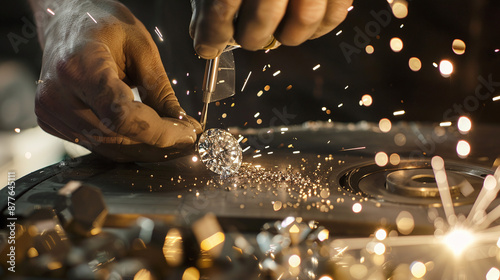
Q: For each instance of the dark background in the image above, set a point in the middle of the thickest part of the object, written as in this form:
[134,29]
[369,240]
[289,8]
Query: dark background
[427,33]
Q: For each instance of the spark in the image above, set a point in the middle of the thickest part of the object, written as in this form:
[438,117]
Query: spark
[350,8]
[91,17]
[284,129]
[497,50]
[443,188]
[276,73]
[445,124]
[51,12]
[246,149]
[296,152]
[256,115]
[496,98]
[157,31]
[401,26]
[246,81]
[17,130]
[399,113]
[338,33]
[257,155]
[346,87]
[316,67]
[174,81]
[340,105]
[458,240]
[434,64]
[352,149]
[241,138]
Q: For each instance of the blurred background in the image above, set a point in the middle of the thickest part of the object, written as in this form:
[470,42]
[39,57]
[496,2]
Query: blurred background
[424,61]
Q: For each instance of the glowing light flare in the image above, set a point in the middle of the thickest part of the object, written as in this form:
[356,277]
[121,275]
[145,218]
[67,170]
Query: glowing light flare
[17,130]
[369,49]
[367,100]
[418,269]
[463,149]
[496,98]
[325,277]
[294,261]
[399,8]
[464,125]
[458,46]
[212,241]
[381,234]
[194,158]
[396,44]
[493,274]
[357,207]
[381,159]
[446,68]
[160,36]
[458,240]
[385,125]
[415,64]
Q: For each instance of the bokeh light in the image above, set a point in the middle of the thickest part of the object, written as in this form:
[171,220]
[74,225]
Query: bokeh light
[463,148]
[381,234]
[405,222]
[385,125]
[458,46]
[381,159]
[418,269]
[396,44]
[399,8]
[369,49]
[415,64]
[394,159]
[357,207]
[464,124]
[446,68]
[367,100]
[493,274]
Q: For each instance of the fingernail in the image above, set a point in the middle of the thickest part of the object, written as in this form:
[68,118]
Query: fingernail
[207,51]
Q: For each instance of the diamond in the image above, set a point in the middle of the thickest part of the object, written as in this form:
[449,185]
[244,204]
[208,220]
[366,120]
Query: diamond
[220,151]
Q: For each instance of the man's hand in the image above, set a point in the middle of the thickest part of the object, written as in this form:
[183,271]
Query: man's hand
[94,52]
[252,23]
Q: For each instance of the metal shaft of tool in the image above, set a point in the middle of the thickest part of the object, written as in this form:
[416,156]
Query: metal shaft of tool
[209,84]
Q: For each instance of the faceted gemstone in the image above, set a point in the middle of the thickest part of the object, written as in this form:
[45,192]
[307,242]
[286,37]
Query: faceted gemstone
[220,151]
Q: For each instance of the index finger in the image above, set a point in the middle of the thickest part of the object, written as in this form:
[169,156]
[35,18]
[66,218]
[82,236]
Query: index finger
[213,26]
